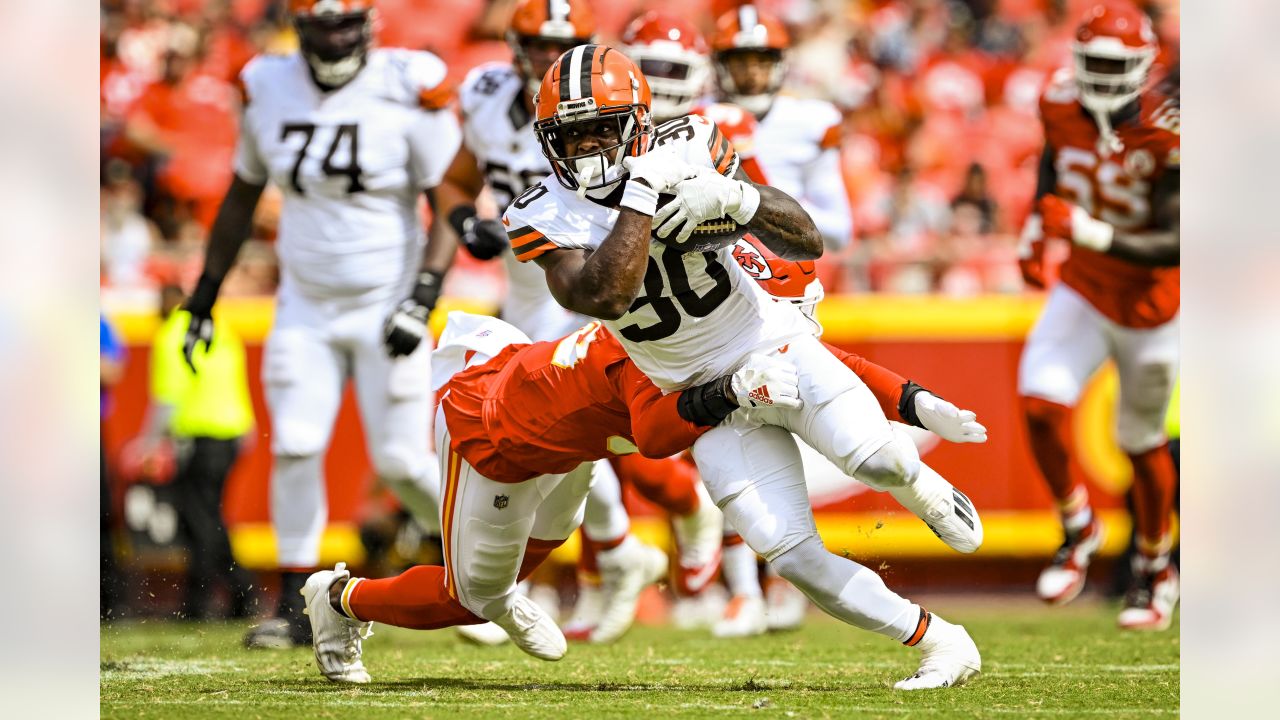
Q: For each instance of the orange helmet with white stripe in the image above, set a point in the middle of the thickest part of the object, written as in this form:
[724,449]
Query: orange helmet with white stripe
[745,36]
[788,281]
[589,84]
[542,30]
[334,37]
[672,54]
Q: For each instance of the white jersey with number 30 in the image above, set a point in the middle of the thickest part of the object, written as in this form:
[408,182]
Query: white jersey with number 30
[351,164]
[698,316]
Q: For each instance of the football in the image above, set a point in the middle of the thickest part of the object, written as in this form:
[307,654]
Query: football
[706,237]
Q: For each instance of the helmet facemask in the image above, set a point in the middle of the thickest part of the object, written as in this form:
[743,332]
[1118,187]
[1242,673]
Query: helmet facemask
[335,45]
[676,79]
[629,131]
[1110,75]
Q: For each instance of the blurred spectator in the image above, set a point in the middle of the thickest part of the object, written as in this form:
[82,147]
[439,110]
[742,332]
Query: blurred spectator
[974,198]
[110,371]
[206,413]
[127,236]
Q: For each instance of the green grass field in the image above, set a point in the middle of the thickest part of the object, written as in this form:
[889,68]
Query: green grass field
[1037,662]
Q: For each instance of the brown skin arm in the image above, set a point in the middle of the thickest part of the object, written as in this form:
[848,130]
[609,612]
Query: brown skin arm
[782,224]
[442,246]
[604,283]
[231,227]
[1160,247]
[461,185]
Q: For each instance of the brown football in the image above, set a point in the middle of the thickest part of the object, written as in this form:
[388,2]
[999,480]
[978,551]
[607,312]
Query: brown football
[707,237]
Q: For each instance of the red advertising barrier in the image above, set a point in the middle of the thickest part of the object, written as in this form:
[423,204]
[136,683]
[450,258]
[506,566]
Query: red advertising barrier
[964,350]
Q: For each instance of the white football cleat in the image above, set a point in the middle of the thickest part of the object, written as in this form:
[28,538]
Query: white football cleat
[698,538]
[483,634]
[1064,578]
[532,630]
[625,571]
[700,612]
[744,616]
[948,512]
[586,611]
[785,605]
[336,638]
[948,658]
[1149,604]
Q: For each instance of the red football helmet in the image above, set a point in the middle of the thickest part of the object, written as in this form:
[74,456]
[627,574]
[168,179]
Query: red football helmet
[673,57]
[587,84]
[334,36]
[747,33]
[542,30]
[785,280]
[1114,49]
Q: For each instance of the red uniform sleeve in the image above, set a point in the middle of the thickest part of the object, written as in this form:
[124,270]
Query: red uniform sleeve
[656,425]
[884,383]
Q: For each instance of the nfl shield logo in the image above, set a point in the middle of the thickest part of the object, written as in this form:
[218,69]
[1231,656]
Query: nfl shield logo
[500,501]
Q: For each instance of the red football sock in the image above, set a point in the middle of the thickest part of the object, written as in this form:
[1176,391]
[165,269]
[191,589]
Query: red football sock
[1049,432]
[588,569]
[1154,481]
[415,599]
[669,483]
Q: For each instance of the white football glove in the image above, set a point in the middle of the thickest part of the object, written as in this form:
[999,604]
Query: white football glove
[707,196]
[661,168]
[948,421]
[766,382]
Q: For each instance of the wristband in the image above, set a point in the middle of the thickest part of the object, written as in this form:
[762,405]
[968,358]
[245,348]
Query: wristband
[427,291]
[640,197]
[459,216]
[707,404]
[748,205]
[907,404]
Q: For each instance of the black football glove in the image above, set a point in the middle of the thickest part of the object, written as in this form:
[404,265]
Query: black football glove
[406,326]
[484,239]
[200,305]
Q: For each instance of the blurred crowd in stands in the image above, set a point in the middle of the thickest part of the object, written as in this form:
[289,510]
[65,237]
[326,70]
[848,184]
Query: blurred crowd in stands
[941,136]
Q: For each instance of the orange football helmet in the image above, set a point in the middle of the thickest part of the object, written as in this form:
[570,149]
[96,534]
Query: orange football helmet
[742,31]
[784,280]
[585,85]
[672,54]
[334,37]
[1114,49]
[541,30]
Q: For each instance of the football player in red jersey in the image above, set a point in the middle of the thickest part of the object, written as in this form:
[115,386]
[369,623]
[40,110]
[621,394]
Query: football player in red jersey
[1109,185]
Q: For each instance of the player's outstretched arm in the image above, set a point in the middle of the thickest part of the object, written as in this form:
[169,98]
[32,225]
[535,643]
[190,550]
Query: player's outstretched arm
[230,229]
[782,224]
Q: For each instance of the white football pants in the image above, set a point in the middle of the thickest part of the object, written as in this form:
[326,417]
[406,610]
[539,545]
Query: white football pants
[314,347]
[1070,342]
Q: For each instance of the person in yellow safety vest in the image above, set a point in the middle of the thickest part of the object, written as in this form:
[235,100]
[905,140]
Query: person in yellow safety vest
[206,414]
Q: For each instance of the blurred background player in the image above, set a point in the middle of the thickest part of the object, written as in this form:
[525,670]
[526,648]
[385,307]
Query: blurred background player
[500,154]
[1109,185]
[352,136]
[205,413]
[674,58]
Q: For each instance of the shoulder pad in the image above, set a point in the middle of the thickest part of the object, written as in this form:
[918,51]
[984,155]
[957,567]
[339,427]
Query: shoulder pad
[422,76]
[482,82]
[1060,90]
[257,74]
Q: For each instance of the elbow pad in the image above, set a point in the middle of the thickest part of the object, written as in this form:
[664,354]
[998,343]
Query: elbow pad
[707,404]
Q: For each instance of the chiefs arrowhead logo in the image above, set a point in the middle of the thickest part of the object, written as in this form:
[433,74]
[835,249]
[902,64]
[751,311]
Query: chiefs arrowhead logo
[752,260]
[761,395]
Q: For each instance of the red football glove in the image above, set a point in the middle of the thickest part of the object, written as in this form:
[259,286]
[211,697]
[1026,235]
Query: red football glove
[1031,253]
[1070,222]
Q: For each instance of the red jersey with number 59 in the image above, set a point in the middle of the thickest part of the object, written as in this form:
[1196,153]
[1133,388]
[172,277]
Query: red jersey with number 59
[1114,184]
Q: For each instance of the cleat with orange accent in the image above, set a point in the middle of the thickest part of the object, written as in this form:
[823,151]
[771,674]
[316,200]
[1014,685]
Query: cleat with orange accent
[744,616]
[1063,580]
[948,656]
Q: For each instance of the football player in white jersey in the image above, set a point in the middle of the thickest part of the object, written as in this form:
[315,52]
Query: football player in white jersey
[500,151]
[797,141]
[352,136]
[685,315]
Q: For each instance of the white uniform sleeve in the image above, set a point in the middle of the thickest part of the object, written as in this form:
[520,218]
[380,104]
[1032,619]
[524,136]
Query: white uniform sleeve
[433,141]
[826,200]
[249,165]
[537,223]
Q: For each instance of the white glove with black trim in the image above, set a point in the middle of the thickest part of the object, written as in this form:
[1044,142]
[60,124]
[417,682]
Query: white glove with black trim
[708,196]
[766,381]
[948,421]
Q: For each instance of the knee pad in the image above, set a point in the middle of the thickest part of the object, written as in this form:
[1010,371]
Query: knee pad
[800,560]
[766,528]
[895,464]
[1138,432]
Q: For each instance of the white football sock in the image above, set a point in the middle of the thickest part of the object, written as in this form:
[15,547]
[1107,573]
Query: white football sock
[741,573]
